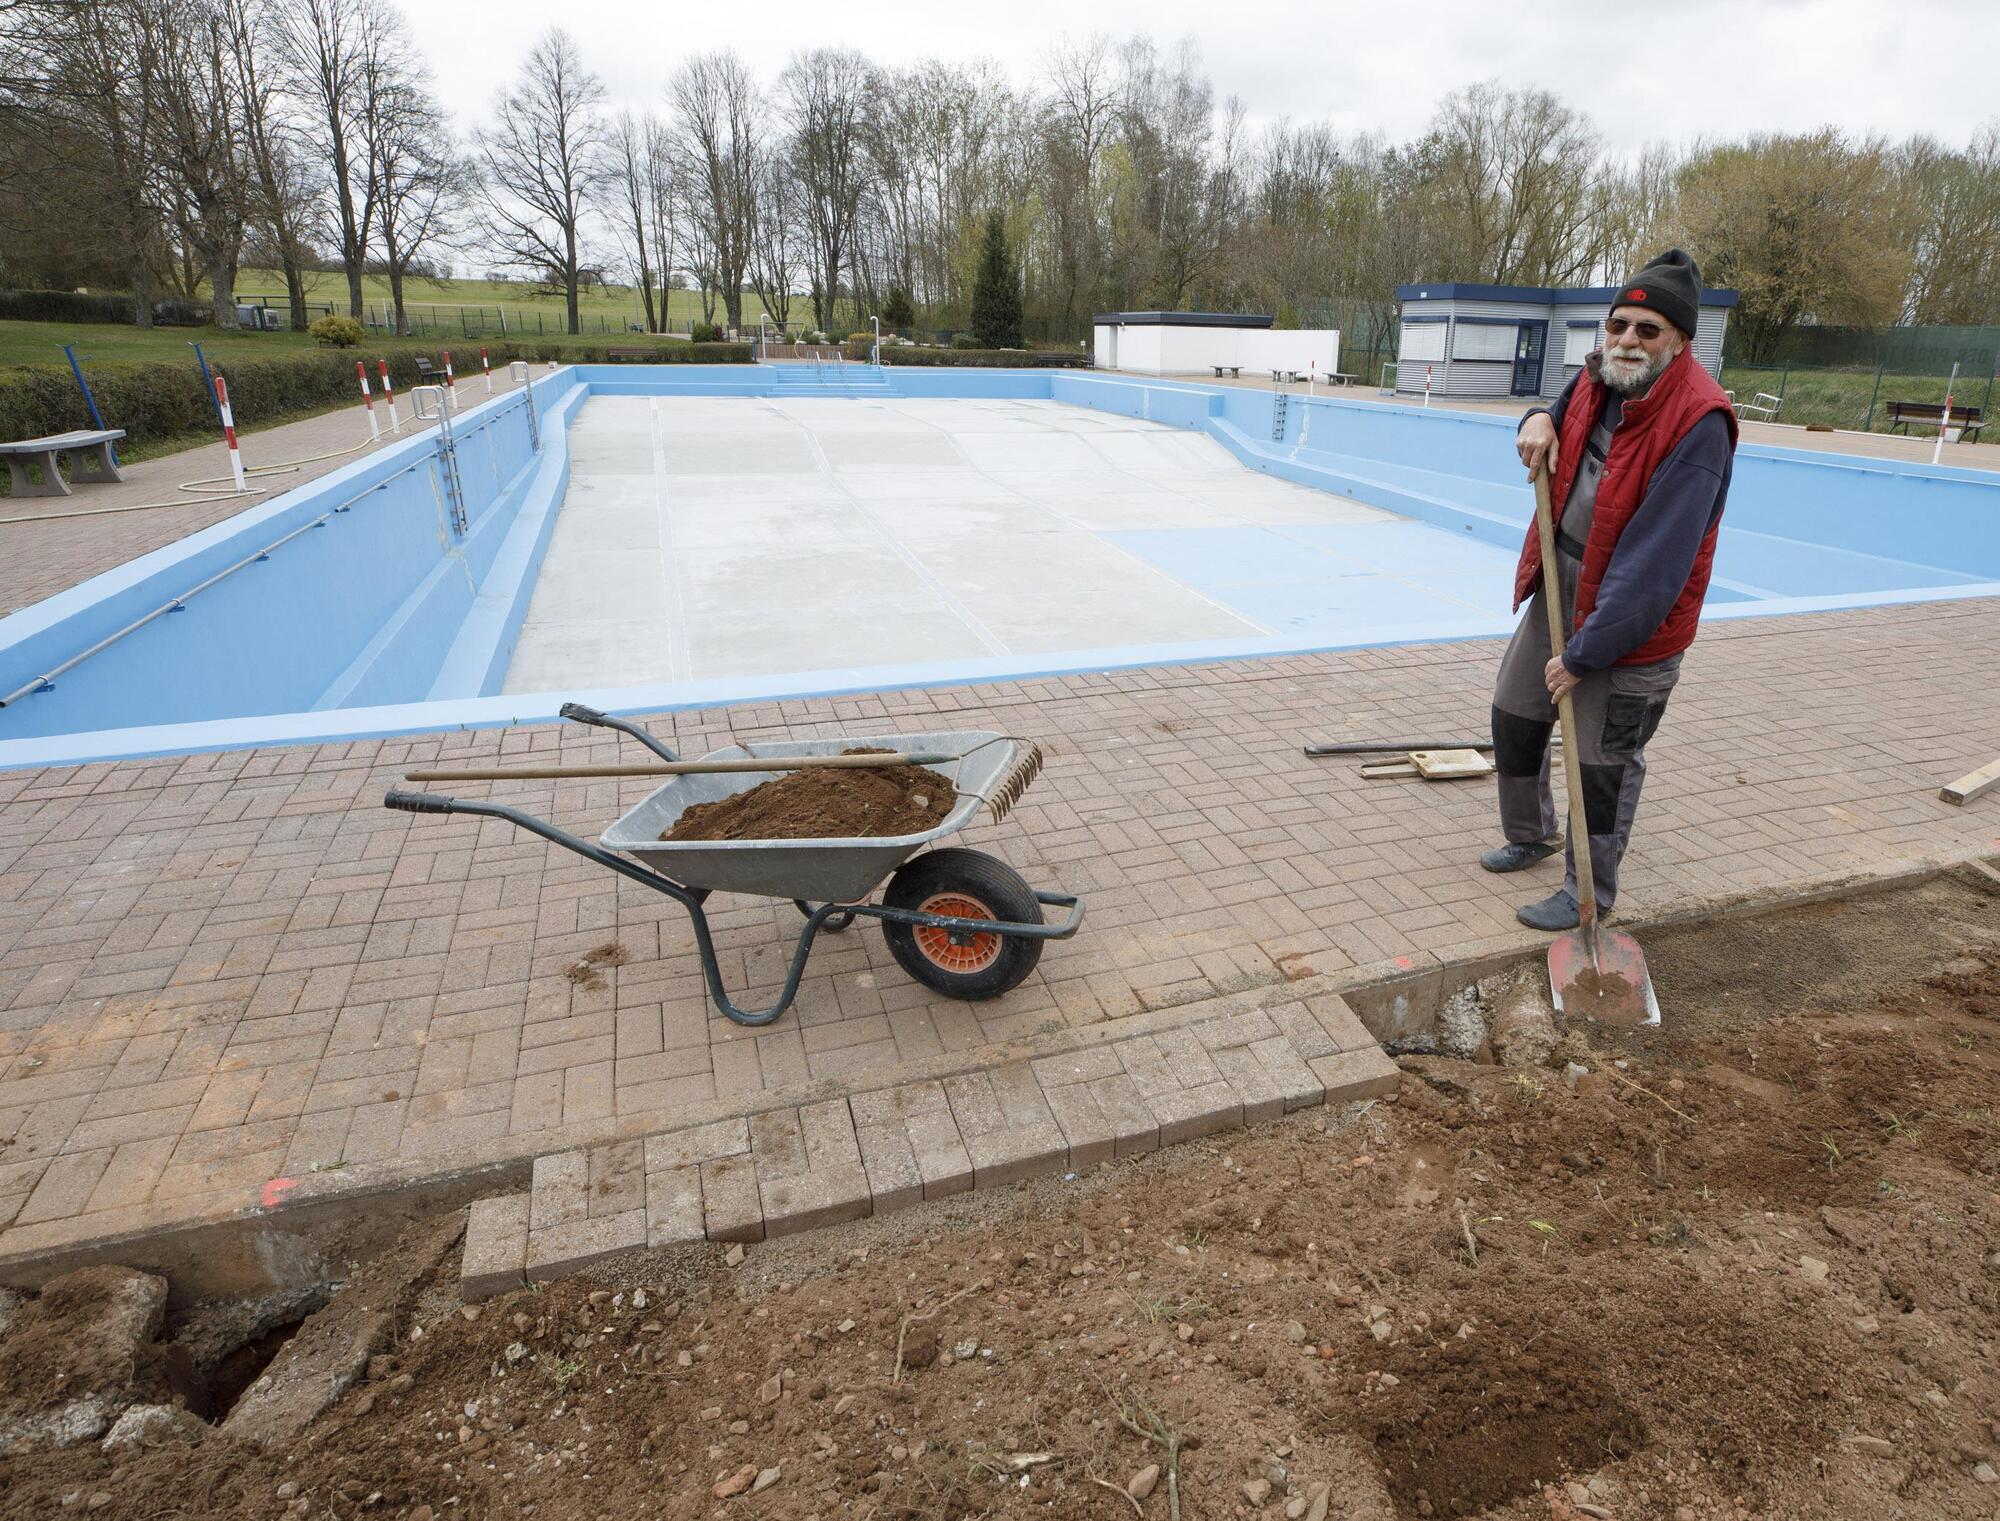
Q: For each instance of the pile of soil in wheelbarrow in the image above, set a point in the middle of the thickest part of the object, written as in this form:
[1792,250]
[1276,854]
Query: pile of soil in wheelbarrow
[837,803]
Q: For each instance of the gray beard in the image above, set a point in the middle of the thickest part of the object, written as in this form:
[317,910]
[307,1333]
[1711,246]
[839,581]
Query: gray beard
[1620,375]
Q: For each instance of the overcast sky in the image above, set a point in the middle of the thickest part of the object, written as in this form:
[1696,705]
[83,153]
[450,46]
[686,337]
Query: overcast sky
[1719,67]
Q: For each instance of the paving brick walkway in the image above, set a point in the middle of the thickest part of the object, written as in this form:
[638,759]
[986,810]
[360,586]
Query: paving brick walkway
[229,981]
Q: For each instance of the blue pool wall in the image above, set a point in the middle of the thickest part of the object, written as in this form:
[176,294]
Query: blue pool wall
[373,624]
[366,608]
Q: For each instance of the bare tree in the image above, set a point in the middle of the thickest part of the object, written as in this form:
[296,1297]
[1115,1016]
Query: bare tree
[1954,206]
[421,184]
[716,148]
[662,211]
[775,242]
[283,191]
[824,93]
[629,173]
[326,45]
[200,150]
[541,164]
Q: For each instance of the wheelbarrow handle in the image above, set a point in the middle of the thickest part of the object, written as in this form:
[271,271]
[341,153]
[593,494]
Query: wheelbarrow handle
[582,713]
[419,802]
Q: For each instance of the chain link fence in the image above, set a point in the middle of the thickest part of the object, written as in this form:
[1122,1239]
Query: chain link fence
[1854,378]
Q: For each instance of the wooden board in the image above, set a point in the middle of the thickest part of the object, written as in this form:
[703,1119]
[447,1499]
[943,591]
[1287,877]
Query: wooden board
[1973,784]
[1384,769]
[1450,765]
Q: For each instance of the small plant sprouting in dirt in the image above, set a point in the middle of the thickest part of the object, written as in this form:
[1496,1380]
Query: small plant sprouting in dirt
[1966,1042]
[1527,1085]
[1147,1424]
[1833,1156]
[1674,1234]
[563,1370]
[1900,1128]
[1886,1189]
[1549,1233]
[1158,1309]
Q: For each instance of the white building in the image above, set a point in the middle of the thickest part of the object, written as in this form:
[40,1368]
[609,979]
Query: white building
[1194,343]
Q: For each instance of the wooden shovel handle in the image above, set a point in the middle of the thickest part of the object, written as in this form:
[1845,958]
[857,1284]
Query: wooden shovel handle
[1579,826]
[681,768]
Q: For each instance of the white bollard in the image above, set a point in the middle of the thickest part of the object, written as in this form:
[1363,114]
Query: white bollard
[486,369]
[1944,423]
[368,401]
[229,434]
[450,382]
[1427,385]
[389,395]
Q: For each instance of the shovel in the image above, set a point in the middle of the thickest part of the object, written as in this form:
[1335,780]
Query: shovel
[1593,971]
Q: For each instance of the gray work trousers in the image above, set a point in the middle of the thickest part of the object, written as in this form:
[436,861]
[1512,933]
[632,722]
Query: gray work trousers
[1617,711]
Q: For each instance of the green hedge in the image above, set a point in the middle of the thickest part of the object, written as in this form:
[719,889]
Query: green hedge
[75,306]
[156,402]
[989,359]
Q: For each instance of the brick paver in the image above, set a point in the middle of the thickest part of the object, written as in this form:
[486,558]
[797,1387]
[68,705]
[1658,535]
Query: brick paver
[1011,1121]
[230,981]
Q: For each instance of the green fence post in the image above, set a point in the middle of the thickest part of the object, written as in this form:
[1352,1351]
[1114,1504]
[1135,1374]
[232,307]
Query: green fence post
[1784,380]
[1869,426]
[1986,407]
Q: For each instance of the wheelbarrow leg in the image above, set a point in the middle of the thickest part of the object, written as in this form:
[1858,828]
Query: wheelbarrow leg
[425,802]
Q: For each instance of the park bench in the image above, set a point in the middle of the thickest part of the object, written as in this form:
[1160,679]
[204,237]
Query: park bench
[91,461]
[1903,413]
[1235,371]
[1341,378]
[430,374]
[1288,377]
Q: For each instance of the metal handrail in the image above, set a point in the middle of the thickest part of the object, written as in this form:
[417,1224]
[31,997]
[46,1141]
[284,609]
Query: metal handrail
[47,679]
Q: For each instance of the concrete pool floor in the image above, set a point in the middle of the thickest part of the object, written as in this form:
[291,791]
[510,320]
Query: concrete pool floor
[736,537]
[232,982]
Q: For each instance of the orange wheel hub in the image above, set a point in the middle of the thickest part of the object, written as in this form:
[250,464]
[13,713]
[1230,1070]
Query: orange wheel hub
[978,952]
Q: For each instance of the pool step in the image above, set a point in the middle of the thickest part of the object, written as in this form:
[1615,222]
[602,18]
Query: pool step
[790,1168]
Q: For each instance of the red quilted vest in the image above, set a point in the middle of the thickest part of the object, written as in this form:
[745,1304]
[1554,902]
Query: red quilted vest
[1645,436]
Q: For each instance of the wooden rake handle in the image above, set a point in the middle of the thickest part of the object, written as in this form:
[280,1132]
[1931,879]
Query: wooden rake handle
[1579,826]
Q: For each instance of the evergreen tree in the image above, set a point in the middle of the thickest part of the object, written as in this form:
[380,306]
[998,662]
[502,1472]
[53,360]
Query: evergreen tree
[898,311]
[996,292]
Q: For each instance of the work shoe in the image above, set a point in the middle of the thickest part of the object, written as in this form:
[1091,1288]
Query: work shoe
[1519,857]
[1555,912]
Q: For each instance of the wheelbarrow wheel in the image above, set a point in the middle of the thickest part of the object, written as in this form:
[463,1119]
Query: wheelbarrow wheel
[963,884]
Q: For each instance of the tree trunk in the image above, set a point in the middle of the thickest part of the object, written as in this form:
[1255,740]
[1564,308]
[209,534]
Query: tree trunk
[295,284]
[222,290]
[142,289]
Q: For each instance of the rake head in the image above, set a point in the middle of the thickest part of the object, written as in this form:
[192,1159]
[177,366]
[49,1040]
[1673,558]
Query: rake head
[1019,777]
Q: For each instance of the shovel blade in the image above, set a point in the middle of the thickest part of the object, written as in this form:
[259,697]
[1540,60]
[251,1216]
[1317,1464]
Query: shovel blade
[1613,986]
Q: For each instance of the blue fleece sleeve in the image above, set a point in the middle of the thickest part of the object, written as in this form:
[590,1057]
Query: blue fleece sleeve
[1554,412]
[1655,554]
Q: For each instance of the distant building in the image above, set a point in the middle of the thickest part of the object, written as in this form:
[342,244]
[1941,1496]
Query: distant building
[1197,343]
[1518,340]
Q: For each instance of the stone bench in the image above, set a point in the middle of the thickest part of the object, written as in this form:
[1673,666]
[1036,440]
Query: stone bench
[92,462]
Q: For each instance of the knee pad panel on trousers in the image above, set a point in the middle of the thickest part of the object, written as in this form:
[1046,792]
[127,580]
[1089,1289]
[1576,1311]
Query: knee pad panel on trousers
[1519,743]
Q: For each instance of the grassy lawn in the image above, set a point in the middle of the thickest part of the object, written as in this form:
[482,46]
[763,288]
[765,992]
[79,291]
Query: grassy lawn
[105,343]
[465,307]
[1840,397]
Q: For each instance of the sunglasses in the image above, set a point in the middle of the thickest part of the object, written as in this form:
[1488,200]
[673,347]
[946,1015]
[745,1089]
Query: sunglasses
[1647,331]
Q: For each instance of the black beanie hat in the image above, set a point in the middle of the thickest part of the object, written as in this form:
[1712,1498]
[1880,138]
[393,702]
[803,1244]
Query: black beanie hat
[1671,285]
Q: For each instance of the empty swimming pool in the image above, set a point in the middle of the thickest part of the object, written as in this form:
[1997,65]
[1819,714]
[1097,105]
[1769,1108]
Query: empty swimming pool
[682,536]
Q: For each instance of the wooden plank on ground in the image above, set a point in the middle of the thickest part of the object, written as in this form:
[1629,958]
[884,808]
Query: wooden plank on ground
[1973,784]
[1450,765]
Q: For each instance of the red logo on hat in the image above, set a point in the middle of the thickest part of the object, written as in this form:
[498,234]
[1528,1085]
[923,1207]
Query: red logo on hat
[1636,294]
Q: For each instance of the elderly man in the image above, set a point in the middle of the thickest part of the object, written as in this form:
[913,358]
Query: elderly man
[1638,449]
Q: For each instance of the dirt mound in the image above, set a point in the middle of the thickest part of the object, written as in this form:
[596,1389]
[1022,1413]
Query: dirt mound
[830,804]
[1655,1294]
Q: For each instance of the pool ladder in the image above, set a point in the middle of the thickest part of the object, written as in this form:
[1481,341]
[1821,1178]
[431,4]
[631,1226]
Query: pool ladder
[454,487]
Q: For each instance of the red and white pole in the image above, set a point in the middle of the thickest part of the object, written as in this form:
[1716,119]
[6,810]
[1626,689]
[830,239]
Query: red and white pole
[368,400]
[1944,423]
[389,395]
[450,382]
[486,369]
[229,434]
[1427,385]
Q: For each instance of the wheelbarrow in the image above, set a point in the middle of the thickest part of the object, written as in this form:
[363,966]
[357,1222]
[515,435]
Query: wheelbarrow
[959,921]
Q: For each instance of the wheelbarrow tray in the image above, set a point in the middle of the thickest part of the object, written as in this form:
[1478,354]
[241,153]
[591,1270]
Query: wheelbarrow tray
[814,870]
